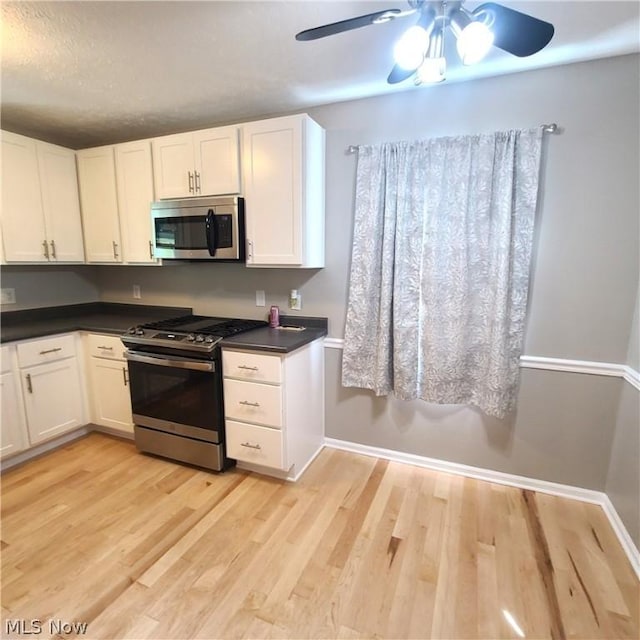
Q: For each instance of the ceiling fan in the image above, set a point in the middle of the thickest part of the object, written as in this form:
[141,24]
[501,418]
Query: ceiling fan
[419,51]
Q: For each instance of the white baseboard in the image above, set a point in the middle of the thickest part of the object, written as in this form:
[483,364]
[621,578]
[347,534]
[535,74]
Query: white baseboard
[498,477]
[623,535]
[111,431]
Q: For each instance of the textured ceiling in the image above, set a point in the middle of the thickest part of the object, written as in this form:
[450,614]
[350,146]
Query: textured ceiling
[87,73]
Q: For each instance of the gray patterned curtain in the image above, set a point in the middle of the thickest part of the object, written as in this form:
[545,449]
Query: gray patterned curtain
[443,234]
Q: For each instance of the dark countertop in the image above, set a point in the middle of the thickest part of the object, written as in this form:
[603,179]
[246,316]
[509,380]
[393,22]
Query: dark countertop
[116,318]
[280,340]
[100,317]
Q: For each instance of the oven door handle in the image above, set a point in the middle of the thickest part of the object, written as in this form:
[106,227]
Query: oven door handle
[173,362]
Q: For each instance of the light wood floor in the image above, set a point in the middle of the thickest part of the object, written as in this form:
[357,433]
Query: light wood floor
[139,547]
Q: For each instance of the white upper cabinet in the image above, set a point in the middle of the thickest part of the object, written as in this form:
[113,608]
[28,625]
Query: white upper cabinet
[134,177]
[99,199]
[283,169]
[199,163]
[40,208]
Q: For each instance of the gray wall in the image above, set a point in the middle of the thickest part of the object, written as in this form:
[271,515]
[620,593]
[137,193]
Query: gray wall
[45,286]
[584,283]
[623,479]
[584,279]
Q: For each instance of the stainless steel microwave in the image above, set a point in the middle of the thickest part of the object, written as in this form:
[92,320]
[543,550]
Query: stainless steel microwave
[210,228]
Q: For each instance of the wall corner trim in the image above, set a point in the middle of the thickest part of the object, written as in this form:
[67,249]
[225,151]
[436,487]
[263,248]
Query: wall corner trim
[555,364]
[498,477]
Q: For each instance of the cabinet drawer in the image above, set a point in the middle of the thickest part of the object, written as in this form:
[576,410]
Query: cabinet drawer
[102,346]
[259,445]
[252,402]
[46,350]
[259,367]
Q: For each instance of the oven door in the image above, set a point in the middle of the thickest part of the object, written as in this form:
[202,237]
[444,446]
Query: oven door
[177,395]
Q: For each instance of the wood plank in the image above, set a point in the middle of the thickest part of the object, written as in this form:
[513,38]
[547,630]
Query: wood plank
[141,547]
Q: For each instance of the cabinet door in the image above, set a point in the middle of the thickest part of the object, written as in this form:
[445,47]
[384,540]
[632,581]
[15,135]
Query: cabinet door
[134,175]
[13,435]
[98,196]
[110,393]
[61,203]
[23,230]
[53,399]
[273,190]
[217,161]
[173,166]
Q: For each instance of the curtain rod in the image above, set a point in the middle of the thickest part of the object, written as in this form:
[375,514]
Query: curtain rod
[552,127]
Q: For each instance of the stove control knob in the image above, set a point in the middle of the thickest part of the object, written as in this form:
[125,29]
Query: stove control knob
[139,331]
[132,331]
[191,337]
[199,338]
[209,339]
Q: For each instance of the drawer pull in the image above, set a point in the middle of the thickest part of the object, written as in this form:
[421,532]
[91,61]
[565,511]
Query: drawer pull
[244,366]
[105,348]
[250,446]
[50,350]
[29,385]
[249,404]
[124,376]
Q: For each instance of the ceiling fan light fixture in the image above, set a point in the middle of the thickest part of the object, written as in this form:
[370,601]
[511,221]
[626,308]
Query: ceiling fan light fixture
[474,37]
[434,66]
[410,48]
[431,71]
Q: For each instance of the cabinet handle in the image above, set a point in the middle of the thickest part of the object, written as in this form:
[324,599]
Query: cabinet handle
[190,182]
[46,249]
[124,376]
[150,249]
[50,350]
[249,404]
[197,175]
[106,348]
[115,249]
[29,385]
[53,250]
[244,366]
[250,446]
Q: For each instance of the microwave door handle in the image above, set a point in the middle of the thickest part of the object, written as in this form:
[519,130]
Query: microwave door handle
[212,240]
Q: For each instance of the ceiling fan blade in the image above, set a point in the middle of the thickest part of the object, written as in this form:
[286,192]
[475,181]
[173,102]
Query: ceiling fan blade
[515,32]
[347,25]
[398,74]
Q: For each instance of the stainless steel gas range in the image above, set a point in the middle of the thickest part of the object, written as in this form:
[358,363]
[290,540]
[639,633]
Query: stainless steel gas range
[175,381]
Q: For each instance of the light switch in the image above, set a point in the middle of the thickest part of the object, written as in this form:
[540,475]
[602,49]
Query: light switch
[8,296]
[260,299]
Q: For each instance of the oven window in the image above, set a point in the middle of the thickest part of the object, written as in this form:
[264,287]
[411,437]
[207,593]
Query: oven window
[181,233]
[177,395]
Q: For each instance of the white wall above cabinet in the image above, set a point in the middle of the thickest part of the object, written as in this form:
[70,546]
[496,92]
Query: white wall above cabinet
[40,206]
[199,163]
[284,178]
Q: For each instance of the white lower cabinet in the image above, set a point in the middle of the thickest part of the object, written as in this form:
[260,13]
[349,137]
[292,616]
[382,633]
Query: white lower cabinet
[109,383]
[274,408]
[13,435]
[52,387]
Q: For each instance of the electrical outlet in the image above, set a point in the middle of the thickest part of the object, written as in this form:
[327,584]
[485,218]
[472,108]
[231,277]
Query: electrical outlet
[136,291]
[8,296]
[295,300]
[260,299]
